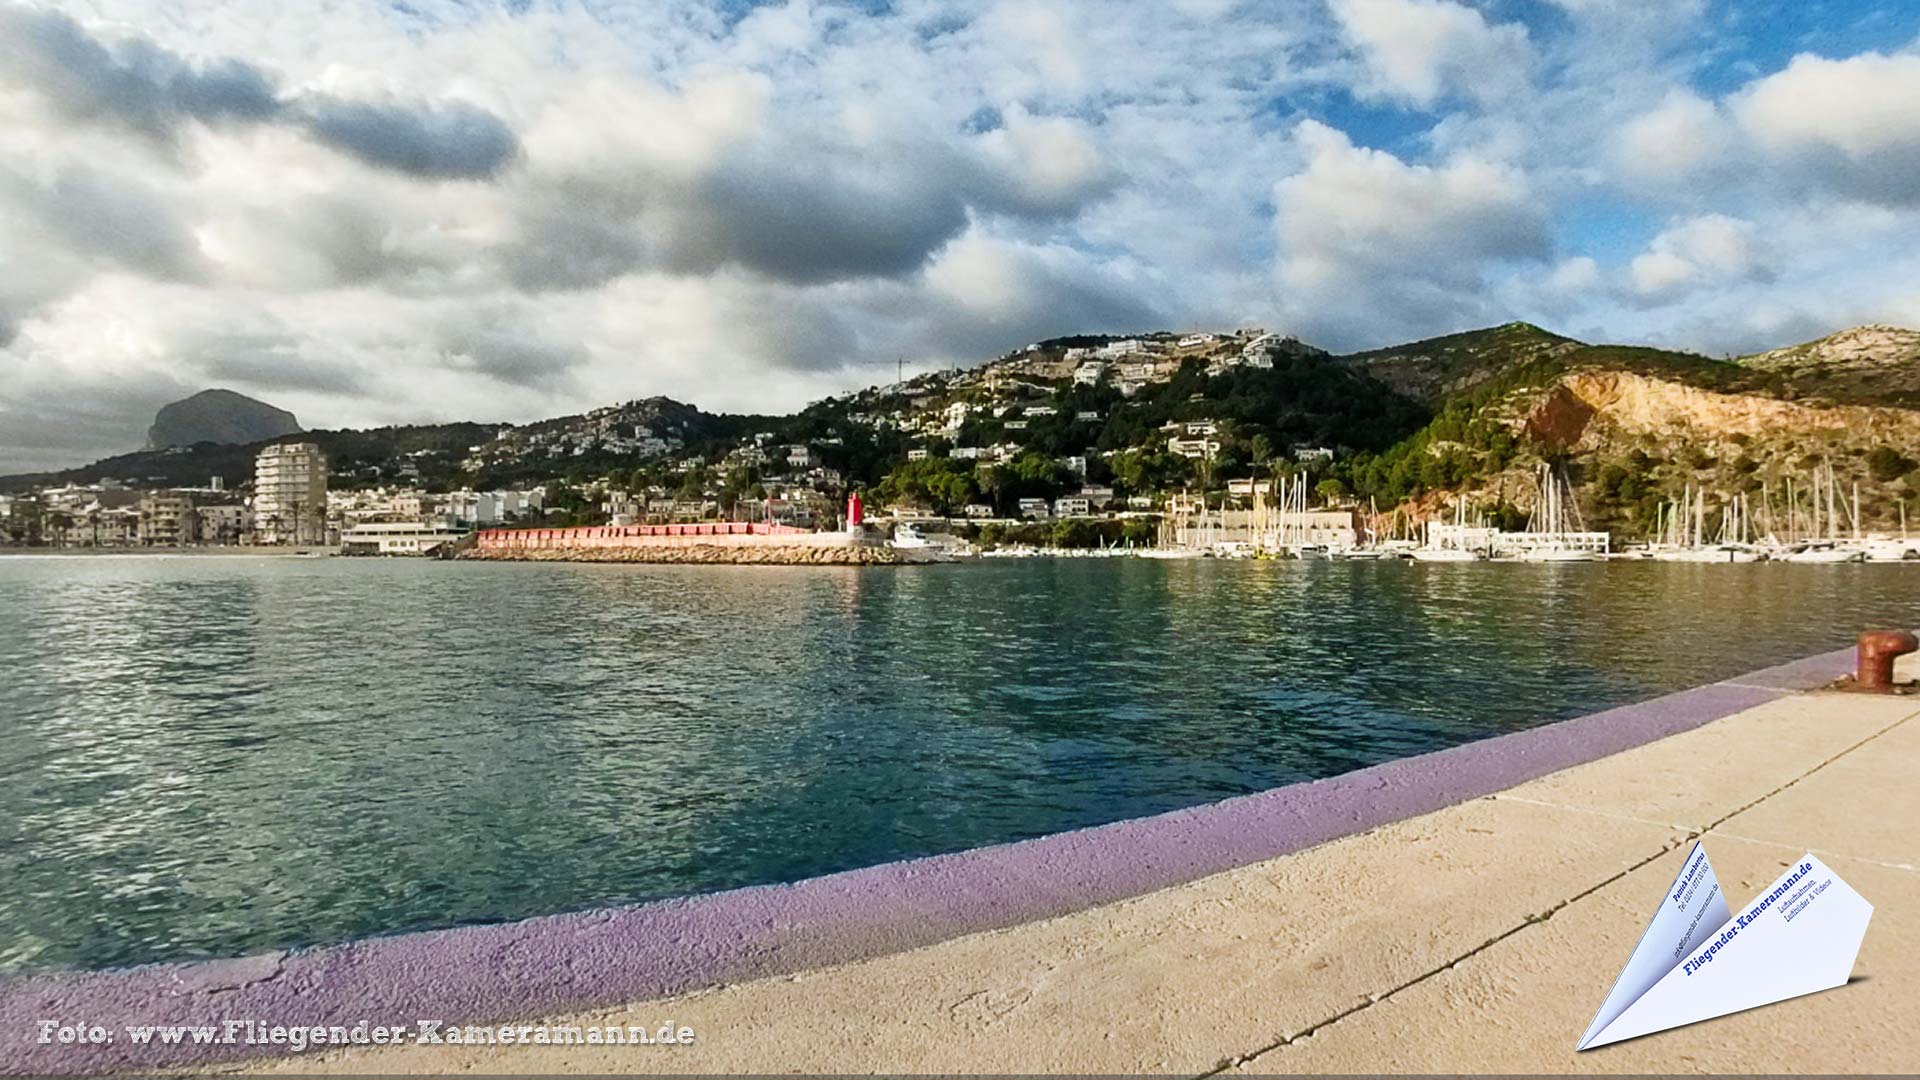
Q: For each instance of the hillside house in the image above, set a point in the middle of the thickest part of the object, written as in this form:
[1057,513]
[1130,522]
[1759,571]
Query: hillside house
[1193,448]
[1089,373]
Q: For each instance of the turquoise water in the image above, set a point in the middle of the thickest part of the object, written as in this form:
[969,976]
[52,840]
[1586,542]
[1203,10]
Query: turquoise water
[215,756]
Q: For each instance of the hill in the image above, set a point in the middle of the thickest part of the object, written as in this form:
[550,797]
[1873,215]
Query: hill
[1862,365]
[1465,416]
[1437,369]
[1634,427]
[218,416]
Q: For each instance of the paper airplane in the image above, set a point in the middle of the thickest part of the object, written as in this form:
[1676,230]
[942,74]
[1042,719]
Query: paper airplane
[1697,960]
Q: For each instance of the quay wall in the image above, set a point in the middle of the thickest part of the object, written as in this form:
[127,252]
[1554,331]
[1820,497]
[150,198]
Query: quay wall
[717,542]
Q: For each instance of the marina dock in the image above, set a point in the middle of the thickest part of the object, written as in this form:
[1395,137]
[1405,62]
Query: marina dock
[1462,910]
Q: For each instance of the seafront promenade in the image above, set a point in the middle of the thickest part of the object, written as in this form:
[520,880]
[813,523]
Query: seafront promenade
[1459,911]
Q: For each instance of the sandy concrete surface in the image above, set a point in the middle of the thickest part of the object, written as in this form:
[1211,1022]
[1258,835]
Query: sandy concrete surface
[1478,938]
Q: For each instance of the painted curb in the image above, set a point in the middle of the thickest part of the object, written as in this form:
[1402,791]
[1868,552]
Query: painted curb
[570,962]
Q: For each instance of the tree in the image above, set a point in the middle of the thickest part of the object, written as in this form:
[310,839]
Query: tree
[1887,464]
[1330,490]
[937,483]
[1260,448]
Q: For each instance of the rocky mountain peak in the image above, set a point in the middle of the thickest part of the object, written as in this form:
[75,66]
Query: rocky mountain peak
[218,416]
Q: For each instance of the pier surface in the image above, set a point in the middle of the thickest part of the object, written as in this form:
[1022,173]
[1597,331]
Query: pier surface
[1461,912]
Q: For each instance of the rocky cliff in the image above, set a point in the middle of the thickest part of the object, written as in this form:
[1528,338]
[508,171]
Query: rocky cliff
[1630,441]
[218,416]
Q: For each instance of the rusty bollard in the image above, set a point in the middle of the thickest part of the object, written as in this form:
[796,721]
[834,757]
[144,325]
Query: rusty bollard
[1877,649]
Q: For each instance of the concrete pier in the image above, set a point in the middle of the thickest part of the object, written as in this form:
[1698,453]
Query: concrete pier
[1460,911]
[720,543]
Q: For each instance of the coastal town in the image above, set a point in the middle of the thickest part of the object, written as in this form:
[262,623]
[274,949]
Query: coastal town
[1221,445]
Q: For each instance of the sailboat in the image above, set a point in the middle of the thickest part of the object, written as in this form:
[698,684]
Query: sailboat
[1686,541]
[1448,546]
[1550,521]
[1890,549]
[1825,544]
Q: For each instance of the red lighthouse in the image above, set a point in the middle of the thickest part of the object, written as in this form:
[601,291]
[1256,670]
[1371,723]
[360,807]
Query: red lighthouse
[856,512]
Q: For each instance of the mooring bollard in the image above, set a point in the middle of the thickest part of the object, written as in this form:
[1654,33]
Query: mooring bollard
[1877,649]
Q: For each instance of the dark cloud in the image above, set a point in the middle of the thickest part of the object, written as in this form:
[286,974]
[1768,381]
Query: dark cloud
[810,224]
[498,345]
[565,244]
[116,218]
[799,216]
[137,84]
[450,142]
[145,87]
[59,426]
[265,363]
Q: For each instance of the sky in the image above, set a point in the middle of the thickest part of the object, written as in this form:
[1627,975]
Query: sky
[401,212]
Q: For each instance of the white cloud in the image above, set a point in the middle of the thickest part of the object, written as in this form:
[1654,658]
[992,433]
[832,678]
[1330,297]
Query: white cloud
[1844,127]
[1683,137]
[1366,236]
[1419,50]
[1699,250]
[1860,106]
[1575,275]
[1851,124]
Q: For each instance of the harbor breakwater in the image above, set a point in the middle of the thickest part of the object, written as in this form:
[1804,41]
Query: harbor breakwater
[716,543]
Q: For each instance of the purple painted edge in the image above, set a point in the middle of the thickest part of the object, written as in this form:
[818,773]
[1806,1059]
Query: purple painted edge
[557,963]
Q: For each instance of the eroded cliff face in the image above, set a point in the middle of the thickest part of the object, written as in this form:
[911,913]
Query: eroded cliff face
[1598,411]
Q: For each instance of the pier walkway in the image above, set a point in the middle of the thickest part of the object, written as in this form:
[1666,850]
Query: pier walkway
[1476,938]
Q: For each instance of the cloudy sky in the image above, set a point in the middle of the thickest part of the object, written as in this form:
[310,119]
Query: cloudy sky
[424,210]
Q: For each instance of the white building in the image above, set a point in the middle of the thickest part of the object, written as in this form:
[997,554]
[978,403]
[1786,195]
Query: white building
[918,455]
[398,538]
[1193,448]
[491,507]
[1071,506]
[290,494]
[1033,508]
[1089,373]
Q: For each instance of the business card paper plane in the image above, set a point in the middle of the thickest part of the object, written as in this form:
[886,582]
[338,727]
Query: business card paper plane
[1698,960]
